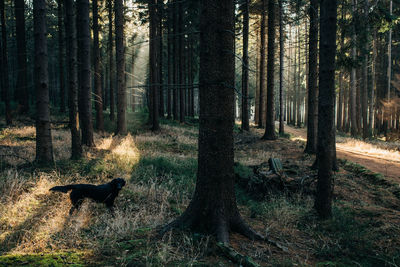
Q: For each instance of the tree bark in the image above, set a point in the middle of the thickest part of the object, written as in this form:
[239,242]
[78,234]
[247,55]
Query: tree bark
[312,122]
[85,92]
[281,68]
[22,92]
[353,79]
[160,58]
[98,100]
[213,208]
[270,108]
[365,74]
[4,59]
[245,68]
[170,44]
[154,69]
[326,105]
[181,64]
[111,59]
[44,146]
[72,78]
[120,59]
[262,66]
[176,61]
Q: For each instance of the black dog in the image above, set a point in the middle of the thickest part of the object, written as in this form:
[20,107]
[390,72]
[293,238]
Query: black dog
[104,193]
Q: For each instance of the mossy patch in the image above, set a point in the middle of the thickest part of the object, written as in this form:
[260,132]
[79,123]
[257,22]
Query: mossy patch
[44,259]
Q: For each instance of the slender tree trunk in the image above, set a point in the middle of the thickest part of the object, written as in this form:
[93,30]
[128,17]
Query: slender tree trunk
[245,68]
[181,64]
[170,59]
[176,59]
[85,92]
[312,125]
[281,68]
[44,145]
[160,58]
[270,108]
[326,105]
[72,78]
[111,59]
[389,71]
[154,69]
[213,207]
[191,77]
[373,87]
[98,100]
[365,74]
[353,79]
[120,59]
[5,78]
[257,90]
[22,92]
[133,91]
[262,66]
[298,86]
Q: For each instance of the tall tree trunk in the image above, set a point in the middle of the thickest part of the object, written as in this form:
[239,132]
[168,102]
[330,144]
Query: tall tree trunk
[213,207]
[44,145]
[176,59]
[326,108]
[98,100]
[111,59]
[270,108]
[120,59]
[85,92]
[389,71]
[312,122]
[160,57]
[72,78]
[22,92]
[373,82]
[281,68]
[181,64]
[4,64]
[353,78]
[365,74]
[133,91]
[154,69]
[170,44]
[262,66]
[298,86]
[245,68]
[257,89]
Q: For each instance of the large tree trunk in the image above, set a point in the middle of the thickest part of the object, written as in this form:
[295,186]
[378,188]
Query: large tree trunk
[373,87]
[388,123]
[245,68]
[154,69]
[98,100]
[85,92]
[120,58]
[353,79]
[312,121]
[262,67]
[270,108]
[326,108]
[281,68]
[213,207]
[72,78]
[257,89]
[21,91]
[4,66]
[111,59]
[44,146]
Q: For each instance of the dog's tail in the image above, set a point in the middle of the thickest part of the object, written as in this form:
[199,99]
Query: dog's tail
[63,189]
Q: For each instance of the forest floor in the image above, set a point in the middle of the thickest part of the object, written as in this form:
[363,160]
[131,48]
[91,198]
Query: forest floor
[377,156]
[36,230]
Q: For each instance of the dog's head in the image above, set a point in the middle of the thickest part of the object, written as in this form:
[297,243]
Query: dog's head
[118,183]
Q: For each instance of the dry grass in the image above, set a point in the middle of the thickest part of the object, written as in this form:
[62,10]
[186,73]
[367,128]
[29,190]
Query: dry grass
[160,171]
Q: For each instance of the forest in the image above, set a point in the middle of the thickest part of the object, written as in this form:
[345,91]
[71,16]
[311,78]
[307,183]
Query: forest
[200,133]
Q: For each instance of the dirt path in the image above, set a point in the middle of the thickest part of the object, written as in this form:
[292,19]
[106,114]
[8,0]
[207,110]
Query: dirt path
[388,167]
